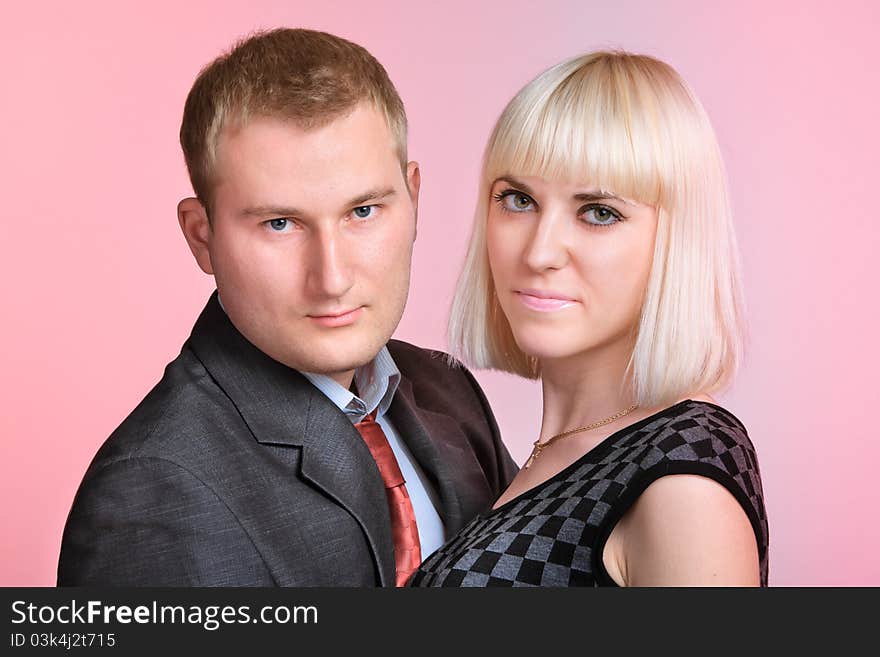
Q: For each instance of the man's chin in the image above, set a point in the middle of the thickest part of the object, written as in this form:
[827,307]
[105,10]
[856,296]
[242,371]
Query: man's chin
[335,362]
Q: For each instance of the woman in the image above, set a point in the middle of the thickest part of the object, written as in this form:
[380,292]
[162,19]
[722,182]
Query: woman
[603,261]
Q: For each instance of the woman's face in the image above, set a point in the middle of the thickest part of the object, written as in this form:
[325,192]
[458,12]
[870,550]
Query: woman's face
[570,264]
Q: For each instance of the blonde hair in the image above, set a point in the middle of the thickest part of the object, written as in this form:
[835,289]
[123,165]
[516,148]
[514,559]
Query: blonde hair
[309,77]
[629,124]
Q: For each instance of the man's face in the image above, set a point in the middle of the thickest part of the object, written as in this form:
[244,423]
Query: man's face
[311,238]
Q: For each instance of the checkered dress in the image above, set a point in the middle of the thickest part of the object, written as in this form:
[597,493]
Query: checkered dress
[554,534]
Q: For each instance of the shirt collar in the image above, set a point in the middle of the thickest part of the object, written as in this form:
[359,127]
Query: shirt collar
[376,383]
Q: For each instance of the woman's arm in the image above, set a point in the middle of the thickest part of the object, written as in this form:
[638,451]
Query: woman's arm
[687,530]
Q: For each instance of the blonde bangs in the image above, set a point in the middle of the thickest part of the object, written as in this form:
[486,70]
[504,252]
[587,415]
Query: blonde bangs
[592,125]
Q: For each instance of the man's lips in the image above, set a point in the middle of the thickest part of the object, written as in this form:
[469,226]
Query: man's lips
[544,300]
[336,319]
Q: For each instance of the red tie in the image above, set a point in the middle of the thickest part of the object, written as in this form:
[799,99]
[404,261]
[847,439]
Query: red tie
[407,551]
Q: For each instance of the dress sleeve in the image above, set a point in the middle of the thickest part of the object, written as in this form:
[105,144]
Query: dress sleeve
[714,445]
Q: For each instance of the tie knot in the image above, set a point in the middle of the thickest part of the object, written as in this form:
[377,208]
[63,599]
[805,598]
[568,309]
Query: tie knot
[381,450]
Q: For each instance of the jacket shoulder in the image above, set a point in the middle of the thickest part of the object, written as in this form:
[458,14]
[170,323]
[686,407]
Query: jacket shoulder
[148,521]
[438,380]
[408,355]
[172,419]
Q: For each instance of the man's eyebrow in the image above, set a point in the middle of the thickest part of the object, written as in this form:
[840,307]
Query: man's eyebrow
[271,210]
[372,195]
[290,211]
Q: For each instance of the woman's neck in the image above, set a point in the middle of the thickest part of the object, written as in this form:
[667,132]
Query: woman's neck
[586,388]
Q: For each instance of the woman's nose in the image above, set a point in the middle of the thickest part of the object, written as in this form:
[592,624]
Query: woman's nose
[548,247]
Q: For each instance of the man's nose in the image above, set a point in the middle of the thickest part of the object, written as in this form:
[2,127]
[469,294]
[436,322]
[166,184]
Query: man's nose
[329,272]
[548,247]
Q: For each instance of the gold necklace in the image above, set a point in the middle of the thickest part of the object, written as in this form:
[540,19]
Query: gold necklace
[540,447]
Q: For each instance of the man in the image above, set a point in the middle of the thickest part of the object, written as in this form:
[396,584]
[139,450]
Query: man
[291,443]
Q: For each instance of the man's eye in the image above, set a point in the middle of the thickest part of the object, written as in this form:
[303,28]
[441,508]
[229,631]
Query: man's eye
[278,225]
[364,211]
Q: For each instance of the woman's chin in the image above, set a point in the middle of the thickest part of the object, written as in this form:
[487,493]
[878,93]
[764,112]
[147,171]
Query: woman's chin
[548,348]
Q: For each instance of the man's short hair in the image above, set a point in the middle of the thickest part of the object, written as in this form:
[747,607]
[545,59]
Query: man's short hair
[304,76]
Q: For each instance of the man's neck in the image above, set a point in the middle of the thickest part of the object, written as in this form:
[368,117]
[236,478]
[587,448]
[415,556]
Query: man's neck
[344,379]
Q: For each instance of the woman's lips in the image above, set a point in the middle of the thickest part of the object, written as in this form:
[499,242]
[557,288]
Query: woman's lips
[341,319]
[544,300]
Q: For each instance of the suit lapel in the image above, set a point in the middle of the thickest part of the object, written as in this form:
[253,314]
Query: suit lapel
[404,414]
[336,460]
[441,448]
[281,407]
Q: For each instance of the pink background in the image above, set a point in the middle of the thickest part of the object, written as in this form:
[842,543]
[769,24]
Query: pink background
[99,289]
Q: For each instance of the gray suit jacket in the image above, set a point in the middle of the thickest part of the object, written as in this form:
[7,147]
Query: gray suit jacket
[236,471]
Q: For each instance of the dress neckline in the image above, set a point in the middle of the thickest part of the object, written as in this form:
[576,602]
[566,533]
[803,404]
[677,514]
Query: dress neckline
[597,450]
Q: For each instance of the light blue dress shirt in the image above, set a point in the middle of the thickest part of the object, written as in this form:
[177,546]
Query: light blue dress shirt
[376,383]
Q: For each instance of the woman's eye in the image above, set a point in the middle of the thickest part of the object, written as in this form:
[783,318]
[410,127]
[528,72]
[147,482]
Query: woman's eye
[517,202]
[278,225]
[364,211]
[600,215]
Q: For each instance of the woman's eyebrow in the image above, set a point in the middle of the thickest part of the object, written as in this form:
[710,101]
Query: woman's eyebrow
[598,196]
[519,184]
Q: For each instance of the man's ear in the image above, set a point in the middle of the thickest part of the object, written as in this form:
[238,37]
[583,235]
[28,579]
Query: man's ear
[193,221]
[413,182]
